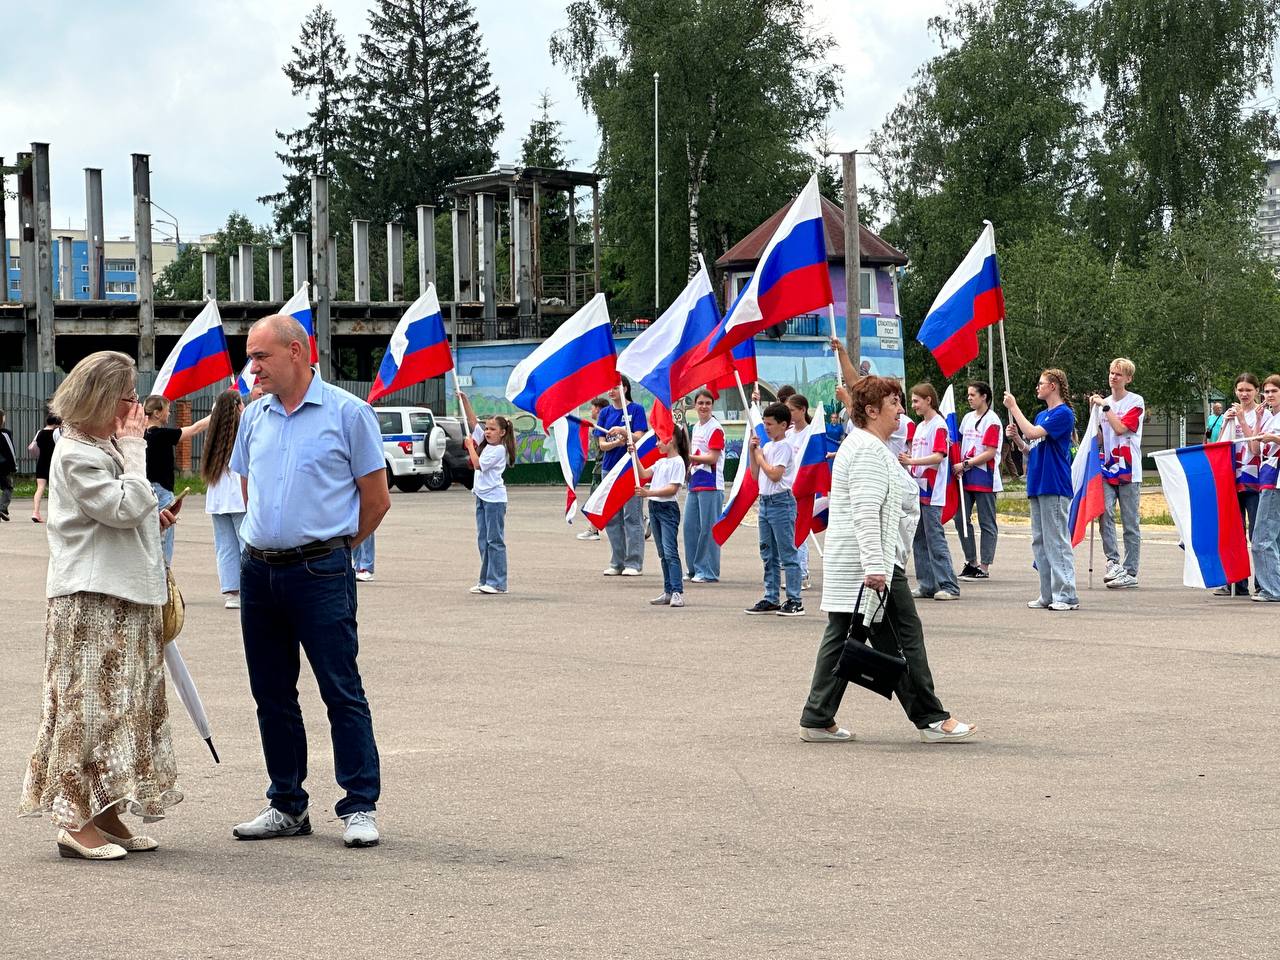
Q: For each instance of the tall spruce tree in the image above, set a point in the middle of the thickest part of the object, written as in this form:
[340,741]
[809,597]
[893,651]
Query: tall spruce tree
[427,109]
[319,71]
[743,85]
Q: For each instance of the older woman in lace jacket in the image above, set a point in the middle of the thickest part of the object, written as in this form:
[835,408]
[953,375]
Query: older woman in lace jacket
[873,514]
[103,745]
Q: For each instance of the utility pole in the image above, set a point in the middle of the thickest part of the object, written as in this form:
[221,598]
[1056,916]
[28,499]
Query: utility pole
[852,261]
[657,296]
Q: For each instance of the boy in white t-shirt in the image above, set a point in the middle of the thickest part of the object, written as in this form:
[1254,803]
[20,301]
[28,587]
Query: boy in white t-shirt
[1122,414]
[773,467]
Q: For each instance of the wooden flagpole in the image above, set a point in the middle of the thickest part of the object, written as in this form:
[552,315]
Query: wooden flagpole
[626,419]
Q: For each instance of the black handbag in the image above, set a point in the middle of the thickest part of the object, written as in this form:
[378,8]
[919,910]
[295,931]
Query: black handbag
[864,665]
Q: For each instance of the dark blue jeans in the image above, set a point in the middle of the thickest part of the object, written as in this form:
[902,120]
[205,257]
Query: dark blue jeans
[309,606]
[664,517]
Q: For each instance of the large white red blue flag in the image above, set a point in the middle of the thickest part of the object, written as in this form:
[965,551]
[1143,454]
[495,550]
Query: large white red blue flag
[663,357]
[571,436]
[1200,488]
[970,300]
[1088,494]
[947,408]
[791,278]
[619,485]
[419,348]
[575,364]
[247,379]
[813,472]
[199,358]
[299,307]
[746,489]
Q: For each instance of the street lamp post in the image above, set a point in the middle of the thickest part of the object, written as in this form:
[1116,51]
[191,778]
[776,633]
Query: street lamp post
[177,239]
[657,297]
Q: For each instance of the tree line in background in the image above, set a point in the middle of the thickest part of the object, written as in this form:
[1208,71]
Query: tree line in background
[1116,145]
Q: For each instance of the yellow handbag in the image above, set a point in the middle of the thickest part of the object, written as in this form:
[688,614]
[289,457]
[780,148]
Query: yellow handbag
[174,610]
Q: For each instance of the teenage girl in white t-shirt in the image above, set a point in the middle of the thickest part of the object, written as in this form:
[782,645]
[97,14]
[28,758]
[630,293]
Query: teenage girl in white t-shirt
[492,448]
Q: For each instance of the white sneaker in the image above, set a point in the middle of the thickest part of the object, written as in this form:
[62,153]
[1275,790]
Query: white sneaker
[362,829]
[489,589]
[364,576]
[1037,604]
[919,593]
[1114,571]
[677,600]
[1122,582]
[946,595]
[806,584]
[233,601]
[934,733]
[819,735]
[1059,605]
[476,589]
[612,571]
[697,579]
[589,535]
[630,572]
[662,601]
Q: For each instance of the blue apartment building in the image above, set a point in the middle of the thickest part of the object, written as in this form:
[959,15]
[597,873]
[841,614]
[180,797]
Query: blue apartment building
[120,273]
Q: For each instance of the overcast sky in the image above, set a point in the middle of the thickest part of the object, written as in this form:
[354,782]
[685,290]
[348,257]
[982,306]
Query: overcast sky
[199,88]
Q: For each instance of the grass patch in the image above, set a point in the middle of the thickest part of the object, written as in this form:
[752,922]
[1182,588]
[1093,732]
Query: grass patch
[24,488]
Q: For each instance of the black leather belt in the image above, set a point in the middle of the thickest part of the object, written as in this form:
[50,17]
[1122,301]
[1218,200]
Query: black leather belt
[308,551]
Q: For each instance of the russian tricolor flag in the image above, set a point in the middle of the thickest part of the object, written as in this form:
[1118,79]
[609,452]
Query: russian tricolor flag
[569,368]
[791,278]
[1200,487]
[299,307]
[813,473]
[970,300]
[1088,499]
[662,358]
[745,487]
[419,348]
[571,436]
[199,359]
[948,410]
[246,381]
[620,484]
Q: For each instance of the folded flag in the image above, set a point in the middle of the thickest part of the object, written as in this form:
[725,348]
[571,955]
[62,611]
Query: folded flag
[1200,487]
[419,348]
[970,300]
[821,513]
[619,485]
[664,425]
[199,358]
[1088,496]
[299,307]
[745,487]
[245,382]
[662,358]
[569,368]
[744,365]
[571,436]
[813,472]
[948,410]
[791,278]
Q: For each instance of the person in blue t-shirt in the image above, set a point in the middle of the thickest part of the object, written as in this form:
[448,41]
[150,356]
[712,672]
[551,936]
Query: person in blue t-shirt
[1047,443]
[625,528]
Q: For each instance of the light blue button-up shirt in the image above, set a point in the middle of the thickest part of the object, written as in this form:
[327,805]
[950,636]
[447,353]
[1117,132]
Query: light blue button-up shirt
[302,467]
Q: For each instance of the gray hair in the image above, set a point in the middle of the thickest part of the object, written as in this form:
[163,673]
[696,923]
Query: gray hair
[285,329]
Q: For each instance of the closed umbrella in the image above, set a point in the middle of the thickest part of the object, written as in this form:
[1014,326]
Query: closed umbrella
[186,690]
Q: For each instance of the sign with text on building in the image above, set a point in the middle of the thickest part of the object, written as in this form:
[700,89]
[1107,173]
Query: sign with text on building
[890,343]
[886,327]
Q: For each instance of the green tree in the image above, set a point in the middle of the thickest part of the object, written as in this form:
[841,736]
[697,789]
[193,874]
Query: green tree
[743,84]
[426,108]
[319,70]
[1179,78]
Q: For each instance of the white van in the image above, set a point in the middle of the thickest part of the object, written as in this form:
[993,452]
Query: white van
[412,445]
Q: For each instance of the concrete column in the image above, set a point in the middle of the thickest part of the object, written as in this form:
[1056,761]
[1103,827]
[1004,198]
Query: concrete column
[395,262]
[244,260]
[4,240]
[522,244]
[488,252]
[426,246]
[93,232]
[275,273]
[142,243]
[572,299]
[323,278]
[535,249]
[66,270]
[595,235]
[233,292]
[333,265]
[464,283]
[360,259]
[44,255]
[210,263]
[27,238]
[301,271]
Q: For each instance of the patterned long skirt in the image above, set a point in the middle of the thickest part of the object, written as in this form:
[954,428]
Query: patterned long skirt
[104,733]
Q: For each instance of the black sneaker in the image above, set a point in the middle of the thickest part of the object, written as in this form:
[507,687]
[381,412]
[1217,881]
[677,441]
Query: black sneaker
[763,606]
[969,572]
[979,574]
[792,608]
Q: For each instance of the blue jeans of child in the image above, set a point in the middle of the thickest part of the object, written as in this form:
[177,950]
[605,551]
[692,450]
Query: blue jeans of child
[777,525]
[362,555]
[932,556]
[664,518]
[701,552]
[1051,548]
[165,497]
[1265,545]
[491,538]
[228,546]
[310,606]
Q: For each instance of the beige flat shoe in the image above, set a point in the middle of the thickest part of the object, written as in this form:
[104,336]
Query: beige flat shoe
[134,844]
[72,849]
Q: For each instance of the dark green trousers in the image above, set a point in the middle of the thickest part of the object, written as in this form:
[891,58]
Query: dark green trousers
[914,690]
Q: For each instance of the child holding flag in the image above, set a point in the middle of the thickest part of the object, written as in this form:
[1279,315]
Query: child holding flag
[706,492]
[668,476]
[1244,421]
[1122,471]
[930,450]
[625,528]
[798,405]
[773,467]
[1265,547]
[492,448]
[979,472]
